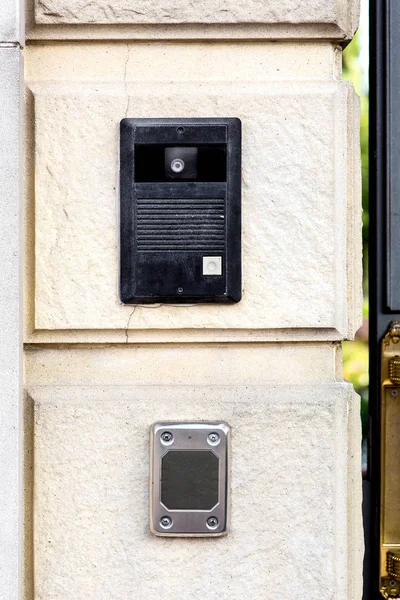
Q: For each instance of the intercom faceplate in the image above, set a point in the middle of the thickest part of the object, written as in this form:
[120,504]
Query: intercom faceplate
[180,194]
[189,479]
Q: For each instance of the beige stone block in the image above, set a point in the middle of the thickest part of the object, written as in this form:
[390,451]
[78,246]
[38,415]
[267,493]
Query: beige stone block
[298,266]
[336,19]
[182,61]
[289,522]
[184,364]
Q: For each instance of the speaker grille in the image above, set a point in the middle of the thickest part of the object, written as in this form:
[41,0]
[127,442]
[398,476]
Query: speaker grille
[179,225]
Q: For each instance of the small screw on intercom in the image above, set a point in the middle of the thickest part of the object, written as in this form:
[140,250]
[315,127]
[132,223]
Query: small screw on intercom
[167,437]
[180,290]
[213,438]
[166,522]
[394,393]
[212,522]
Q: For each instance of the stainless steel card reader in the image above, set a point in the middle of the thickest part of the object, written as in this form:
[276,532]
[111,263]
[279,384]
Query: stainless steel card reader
[189,479]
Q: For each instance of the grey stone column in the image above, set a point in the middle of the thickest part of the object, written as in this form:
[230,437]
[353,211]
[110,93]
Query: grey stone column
[10,298]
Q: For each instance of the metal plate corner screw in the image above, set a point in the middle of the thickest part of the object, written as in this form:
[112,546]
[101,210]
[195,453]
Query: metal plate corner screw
[167,438]
[212,522]
[213,438]
[166,522]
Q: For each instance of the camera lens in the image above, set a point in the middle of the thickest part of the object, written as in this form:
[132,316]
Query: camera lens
[180,163]
[177,165]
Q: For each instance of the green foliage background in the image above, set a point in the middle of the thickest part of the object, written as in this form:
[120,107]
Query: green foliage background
[355,354]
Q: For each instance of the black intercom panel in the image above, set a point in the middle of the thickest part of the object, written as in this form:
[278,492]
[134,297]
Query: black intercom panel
[180,213]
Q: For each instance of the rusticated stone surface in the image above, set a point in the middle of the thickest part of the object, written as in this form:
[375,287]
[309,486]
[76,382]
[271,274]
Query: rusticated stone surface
[289,518]
[297,210]
[340,13]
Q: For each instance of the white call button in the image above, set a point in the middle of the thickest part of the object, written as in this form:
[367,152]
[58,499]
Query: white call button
[212,265]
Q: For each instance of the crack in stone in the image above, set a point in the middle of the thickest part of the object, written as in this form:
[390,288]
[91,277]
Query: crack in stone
[127,325]
[125,81]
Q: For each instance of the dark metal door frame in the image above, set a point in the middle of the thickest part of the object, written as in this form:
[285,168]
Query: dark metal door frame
[384,246]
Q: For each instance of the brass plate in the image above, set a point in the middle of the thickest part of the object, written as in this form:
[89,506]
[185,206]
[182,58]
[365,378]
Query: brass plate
[390,464]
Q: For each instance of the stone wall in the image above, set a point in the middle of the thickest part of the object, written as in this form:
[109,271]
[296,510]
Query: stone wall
[98,373]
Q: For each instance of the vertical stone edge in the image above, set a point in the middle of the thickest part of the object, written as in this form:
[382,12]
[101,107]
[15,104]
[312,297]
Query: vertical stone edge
[355,536]
[354,493]
[342,152]
[340,491]
[10,322]
[349,17]
[349,246]
[12,22]
[354,16]
[354,216]
[27,591]
[348,492]
[21,22]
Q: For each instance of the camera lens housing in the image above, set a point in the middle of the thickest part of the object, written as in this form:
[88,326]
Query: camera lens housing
[177,165]
[181,162]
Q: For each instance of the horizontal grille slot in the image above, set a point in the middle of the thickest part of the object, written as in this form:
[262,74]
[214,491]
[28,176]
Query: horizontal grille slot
[180,224]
